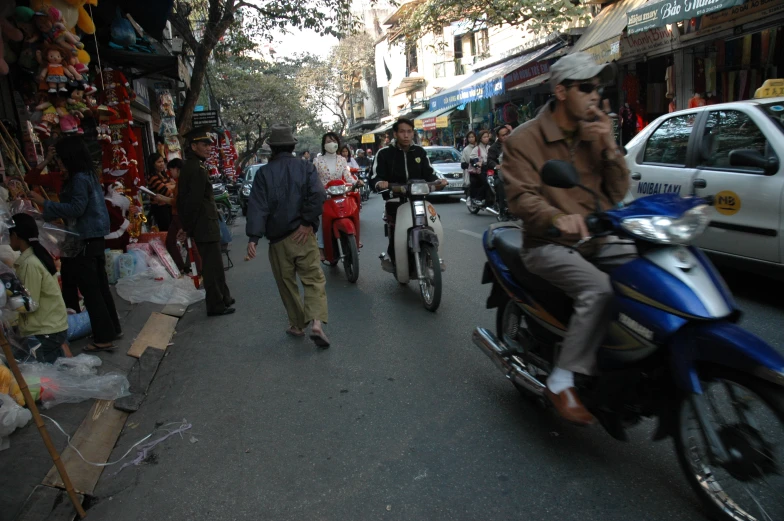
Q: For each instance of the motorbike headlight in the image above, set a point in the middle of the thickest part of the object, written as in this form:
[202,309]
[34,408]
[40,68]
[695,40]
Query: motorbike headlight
[419,189]
[246,190]
[336,190]
[666,230]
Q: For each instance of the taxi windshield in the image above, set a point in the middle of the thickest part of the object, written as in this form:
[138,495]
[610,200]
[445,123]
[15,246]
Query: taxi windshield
[775,111]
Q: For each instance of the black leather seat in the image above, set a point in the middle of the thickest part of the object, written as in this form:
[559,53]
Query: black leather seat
[509,243]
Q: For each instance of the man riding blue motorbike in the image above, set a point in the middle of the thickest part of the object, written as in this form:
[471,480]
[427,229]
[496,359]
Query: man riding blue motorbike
[572,128]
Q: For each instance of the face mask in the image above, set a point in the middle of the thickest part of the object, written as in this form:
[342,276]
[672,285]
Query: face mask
[331,148]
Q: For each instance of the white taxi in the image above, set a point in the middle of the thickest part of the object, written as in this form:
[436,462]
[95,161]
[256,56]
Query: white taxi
[733,152]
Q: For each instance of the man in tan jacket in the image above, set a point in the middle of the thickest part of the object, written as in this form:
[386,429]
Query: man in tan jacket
[571,127]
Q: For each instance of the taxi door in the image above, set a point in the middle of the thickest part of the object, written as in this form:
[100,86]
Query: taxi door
[746,217]
[664,162]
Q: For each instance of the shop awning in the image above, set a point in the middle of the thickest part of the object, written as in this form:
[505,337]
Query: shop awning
[434,119]
[533,82]
[383,128]
[659,14]
[486,83]
[409,84]
[602,39]
[146,64]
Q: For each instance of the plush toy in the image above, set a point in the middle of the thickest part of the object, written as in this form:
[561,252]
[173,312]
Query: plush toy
[55,74]
[9,386]
[18,298]
[74,15]
[50,24]
[7,31]
[49,119]
[69,121]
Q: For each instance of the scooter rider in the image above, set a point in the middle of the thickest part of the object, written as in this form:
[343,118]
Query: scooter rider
[398,164]
[571,127]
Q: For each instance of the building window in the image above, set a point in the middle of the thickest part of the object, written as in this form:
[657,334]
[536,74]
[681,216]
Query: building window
[482,43]
[412,64]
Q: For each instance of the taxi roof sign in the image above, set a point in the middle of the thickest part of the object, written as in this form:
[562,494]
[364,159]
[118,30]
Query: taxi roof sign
[770,89]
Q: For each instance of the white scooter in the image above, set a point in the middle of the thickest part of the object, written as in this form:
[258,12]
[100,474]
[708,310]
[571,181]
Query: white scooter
[417,235]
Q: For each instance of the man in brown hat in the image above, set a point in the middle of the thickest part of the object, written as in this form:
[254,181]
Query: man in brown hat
[199,218]
[284,205]
[571,127]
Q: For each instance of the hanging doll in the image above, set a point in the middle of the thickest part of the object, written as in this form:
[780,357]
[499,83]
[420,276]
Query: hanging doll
[49,119]
[55,74]
[105,114]
[50,24]
[69,119]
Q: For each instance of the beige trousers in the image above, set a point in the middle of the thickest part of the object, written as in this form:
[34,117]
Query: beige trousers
[289,260]
[591,291]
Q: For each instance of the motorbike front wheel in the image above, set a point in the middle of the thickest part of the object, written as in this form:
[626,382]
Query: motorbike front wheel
[749,486]
[348,244]
[474,209]
[225,211]
[430,288]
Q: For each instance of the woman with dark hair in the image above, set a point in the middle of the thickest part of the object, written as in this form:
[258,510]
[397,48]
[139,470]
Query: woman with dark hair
[159,182]
[46,328]
[83,264]
[478,178]
[330,166]
[345,151]
[465,157]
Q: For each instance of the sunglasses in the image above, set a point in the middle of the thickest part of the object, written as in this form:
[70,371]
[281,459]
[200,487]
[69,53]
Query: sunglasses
[588,88]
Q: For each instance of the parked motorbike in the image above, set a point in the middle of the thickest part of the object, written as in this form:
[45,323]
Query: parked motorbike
[673,350]
[417,233]
[223,202]
[340,226]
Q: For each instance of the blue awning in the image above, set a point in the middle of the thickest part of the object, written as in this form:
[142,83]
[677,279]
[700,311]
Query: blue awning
[486,83]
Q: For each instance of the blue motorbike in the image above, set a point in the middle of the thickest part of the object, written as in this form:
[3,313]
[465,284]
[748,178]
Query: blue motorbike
[673,350]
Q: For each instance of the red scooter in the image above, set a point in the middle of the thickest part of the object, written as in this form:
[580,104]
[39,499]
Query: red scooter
[340,222]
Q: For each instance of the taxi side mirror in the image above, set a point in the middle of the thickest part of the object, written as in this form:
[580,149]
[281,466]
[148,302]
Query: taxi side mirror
[754,159]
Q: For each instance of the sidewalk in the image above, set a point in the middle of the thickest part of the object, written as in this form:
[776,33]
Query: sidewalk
[25,464]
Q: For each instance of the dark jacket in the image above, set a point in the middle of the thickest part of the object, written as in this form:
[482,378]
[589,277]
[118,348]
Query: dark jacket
[81,206]
[394,165]
[494,154]
[286,194]
[196,203]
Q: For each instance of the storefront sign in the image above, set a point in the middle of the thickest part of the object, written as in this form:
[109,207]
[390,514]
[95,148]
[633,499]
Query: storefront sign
[606,51]
[659,14]
[649,41]
[207,117]
[729,18]
[368,139]
[525,73]
[488,89]
[442,121]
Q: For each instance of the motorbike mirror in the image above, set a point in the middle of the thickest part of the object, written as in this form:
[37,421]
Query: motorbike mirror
[560,174]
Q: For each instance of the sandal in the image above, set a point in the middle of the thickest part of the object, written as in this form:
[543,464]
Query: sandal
[93,348]
[292,331]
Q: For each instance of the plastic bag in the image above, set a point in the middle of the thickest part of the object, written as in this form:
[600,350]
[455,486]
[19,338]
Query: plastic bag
[17,298]
[9,386]
[12,417]
[83,364]
[79,326]
[112,265]
[156,286]
[126,265]
[225,233]
[51,236]
[140,260]
[69,384]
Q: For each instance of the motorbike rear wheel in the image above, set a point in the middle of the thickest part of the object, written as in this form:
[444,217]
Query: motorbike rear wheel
[348,244]
[472,208]
[225,211]
[431,269]
[749,487]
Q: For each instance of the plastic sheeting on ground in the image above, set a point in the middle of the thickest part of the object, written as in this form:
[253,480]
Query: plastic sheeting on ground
[157,286]
[72,382]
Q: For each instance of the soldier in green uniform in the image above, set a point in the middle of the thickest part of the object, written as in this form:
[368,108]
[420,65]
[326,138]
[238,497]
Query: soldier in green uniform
[199,217]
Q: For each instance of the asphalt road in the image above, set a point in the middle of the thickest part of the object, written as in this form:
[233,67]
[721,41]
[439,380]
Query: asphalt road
[403,418]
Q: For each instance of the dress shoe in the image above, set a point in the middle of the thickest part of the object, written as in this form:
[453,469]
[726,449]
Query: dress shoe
[232,302]
[569,406]
[227,311]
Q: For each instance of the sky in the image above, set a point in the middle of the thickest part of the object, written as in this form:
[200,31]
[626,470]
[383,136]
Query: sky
[297,42]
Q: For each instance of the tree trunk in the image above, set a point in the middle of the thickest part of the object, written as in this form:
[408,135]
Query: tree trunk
[184,120]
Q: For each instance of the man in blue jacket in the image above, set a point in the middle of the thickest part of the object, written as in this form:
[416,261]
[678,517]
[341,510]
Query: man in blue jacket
[285,203]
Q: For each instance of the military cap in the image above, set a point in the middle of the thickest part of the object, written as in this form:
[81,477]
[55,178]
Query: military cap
[197,134]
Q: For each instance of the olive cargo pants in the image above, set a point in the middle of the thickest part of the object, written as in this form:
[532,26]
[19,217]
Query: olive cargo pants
[289,259]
